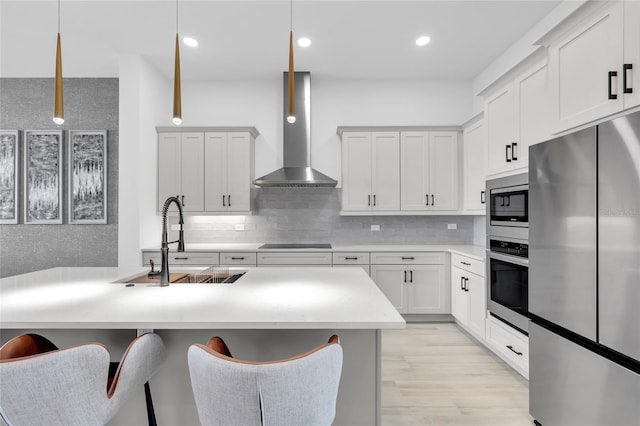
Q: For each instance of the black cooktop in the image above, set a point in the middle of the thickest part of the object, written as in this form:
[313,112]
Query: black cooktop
[295,246]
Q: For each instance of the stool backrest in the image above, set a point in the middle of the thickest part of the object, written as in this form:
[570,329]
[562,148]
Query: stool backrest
[297,391]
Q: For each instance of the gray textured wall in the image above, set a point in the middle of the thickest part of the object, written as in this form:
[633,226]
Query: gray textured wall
[313,215]
[90,104]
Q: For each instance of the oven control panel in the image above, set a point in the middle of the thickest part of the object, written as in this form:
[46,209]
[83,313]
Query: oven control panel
[509,247]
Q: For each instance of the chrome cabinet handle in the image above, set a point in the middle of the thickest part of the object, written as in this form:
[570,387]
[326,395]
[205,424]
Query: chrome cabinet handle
[513,350]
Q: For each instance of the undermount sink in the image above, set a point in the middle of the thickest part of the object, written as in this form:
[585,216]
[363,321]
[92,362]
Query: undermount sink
[204,277]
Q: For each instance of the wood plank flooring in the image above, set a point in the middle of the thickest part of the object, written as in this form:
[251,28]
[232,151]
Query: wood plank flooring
[436,374]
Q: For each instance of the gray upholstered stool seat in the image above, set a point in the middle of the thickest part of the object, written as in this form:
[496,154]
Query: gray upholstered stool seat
[301,390]
[43,385]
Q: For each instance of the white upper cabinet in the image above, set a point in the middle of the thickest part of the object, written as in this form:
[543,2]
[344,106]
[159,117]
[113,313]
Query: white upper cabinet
[209,172]
[229,171]
[181,170]
[370,171]
[516,117]
[595,65]
[474,166]
[429,170]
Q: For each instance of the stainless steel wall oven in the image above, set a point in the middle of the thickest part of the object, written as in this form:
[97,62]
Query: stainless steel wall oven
[508,250]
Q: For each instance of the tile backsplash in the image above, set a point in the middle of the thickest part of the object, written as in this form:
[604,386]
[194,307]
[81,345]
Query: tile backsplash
[301,215]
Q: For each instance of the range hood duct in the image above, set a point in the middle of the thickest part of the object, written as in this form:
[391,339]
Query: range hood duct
[297,171]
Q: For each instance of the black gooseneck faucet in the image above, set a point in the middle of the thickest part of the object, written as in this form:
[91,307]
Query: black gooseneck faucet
[164,248]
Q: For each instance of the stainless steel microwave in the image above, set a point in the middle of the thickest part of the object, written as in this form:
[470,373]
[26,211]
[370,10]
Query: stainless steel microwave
[508,207]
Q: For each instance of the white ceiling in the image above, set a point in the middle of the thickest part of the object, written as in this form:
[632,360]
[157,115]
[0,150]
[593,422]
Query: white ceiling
[249,39]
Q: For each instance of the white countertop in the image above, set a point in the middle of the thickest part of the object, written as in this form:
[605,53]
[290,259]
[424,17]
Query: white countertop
[476,252]
[264,298]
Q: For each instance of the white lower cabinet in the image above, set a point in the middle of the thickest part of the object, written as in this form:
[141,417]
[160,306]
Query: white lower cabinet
[296,259]
[509,344]
[413,287]
[186,258]
[468,294]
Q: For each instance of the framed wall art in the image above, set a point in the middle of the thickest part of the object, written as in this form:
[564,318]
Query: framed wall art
[8,176]
[88,176]
[42,176]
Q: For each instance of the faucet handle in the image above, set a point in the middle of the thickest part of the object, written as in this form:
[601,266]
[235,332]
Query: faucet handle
[152,272]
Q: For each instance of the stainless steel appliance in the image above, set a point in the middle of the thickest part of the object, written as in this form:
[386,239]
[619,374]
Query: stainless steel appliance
[508,267]
[508,206]
[507,249]
[584,269]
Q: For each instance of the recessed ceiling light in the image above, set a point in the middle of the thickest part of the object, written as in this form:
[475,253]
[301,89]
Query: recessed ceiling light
[190,41]
[423,41]
[304,42]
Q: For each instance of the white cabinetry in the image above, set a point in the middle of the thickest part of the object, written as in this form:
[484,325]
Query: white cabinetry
[593,62]
[474,166]
[209,169]
[508,344]
[468,294]
[229,171]
[181,169]
[186,258]
[370,171]
[414,283]
[351,259]
[297,258]
[429,170]
[517,116]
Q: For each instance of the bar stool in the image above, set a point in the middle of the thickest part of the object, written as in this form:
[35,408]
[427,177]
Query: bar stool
[41,384]
[301,390]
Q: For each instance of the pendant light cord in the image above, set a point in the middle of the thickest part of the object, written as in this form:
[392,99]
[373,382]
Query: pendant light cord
[177,17]
[58,16]
[291,15]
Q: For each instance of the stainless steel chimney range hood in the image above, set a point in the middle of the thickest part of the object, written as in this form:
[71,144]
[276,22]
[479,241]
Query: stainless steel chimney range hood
[296,170]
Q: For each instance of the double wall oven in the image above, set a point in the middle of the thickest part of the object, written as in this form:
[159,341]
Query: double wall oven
[508,250]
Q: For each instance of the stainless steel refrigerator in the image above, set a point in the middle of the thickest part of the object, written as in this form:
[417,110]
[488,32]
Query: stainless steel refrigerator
[584,276]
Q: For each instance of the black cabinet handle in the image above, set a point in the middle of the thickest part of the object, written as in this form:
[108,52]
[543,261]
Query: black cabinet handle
[611,75]
[237,258]
[369,202]
[181,258]
[224,204]
[462,283]
[427,198]
[408,258]
[466,285]
[466,263]
[351,258]
[482,198]
[507,154]
[513,350]
[405,276]
[625,69]
[183,201]
[410,276]
[433,201]
[514,155]
[229,200]
[508,198]
[374,200]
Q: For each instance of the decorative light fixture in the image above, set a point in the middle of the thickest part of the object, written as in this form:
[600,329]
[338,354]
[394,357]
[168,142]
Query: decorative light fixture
[58,104]
[304,42]
[190,41]
[177,102]
[291,117]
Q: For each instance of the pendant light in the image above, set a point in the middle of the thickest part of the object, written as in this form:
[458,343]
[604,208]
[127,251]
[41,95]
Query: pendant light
[177,102]
[291,116]
[58,104]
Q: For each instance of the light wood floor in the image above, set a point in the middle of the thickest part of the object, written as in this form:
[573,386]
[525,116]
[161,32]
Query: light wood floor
[435,374]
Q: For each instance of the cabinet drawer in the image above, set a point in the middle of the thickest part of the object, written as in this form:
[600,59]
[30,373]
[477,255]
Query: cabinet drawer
[509,344]
[184,258]
[354,258]
[297,258]
[238,258]
[403,258]
[468,264]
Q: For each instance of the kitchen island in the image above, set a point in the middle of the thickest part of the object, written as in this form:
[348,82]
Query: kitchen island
[269,313]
